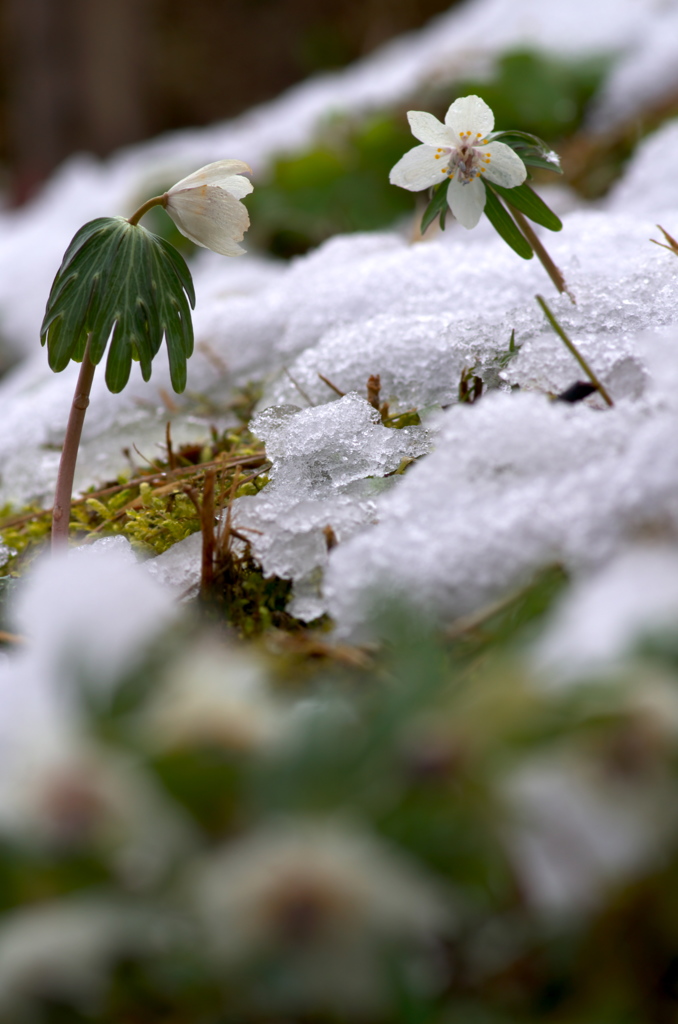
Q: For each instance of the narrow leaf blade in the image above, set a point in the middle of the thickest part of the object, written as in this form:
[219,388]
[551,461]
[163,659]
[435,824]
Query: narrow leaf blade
[504,224]
[532,205]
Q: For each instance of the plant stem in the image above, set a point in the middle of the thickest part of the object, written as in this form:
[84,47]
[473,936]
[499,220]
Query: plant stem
[547,263]
[573,349]
[61,513]
[145,207]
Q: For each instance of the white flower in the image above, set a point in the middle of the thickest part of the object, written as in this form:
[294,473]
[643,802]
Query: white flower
[65,949]
[216,696]
[323,899]
[460,149]
[206,206]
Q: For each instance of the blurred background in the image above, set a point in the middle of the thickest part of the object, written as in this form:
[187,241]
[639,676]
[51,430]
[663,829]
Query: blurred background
[94,75]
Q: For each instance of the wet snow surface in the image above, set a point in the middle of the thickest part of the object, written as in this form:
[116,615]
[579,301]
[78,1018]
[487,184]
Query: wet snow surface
[498,489]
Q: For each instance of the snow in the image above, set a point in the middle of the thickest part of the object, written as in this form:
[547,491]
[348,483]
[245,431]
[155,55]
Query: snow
[324,461]
[494,491]
[465,41]
[606,615]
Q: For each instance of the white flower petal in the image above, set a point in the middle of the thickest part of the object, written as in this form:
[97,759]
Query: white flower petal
[210,217]
[417,170]
[429,129]
[505,168]
[220,173]
[467,202]
[470,114]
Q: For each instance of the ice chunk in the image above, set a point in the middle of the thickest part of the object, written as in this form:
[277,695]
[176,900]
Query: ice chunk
[178,568]
[515,483]
[320,491]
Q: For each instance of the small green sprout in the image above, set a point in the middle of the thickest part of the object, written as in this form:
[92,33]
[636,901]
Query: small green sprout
[121,290]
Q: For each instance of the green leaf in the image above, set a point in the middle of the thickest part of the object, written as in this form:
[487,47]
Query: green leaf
[437,207]
[504,224]
[126,290]
[529,203]
[531,149]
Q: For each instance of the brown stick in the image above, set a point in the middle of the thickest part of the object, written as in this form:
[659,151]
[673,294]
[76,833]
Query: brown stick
[61,513]
[540,252]
[208,538]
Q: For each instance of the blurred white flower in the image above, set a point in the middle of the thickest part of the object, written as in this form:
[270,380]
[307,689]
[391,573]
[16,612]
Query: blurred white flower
[218,696]
[65,949]
[577,826]
[460,149]
[206,206]
[90,615]
[323,899]
[60,791]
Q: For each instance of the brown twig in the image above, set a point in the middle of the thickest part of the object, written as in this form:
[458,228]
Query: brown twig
[573,349]
[334,387]
[177,474]
[171,457]
[542,255]
[672,243]
[207,523]
[61,511]
[11,638]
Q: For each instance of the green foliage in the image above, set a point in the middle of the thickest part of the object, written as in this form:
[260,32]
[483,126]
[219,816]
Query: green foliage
[339,185]
[529,203]
[543,94]
[126,289]
[437,208]
[532,150]
[413,750]
[505,225]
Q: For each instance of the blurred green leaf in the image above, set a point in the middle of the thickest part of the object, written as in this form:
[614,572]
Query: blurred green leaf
[543,94]
[339,185]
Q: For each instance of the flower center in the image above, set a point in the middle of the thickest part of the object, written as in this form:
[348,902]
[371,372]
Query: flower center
[467,159]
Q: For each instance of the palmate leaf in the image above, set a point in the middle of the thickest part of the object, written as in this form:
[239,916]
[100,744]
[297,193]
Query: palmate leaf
[504,224]
[125,289]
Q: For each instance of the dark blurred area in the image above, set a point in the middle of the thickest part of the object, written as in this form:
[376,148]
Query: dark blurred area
[94,75]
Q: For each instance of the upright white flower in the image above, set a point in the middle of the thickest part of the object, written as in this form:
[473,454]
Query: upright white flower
[206,206]
[462,150]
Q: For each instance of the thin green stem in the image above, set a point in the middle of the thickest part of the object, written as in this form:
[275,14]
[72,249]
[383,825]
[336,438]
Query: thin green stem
[148,205]
[573,349]
[542,255]
[61,513]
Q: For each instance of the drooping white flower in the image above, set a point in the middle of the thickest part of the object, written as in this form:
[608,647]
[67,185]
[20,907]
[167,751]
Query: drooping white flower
[462,150]
[206,206]
[219,697]
[322,898]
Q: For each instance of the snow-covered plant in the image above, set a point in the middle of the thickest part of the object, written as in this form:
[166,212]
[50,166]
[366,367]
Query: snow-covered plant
[122,289]
[472,170]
